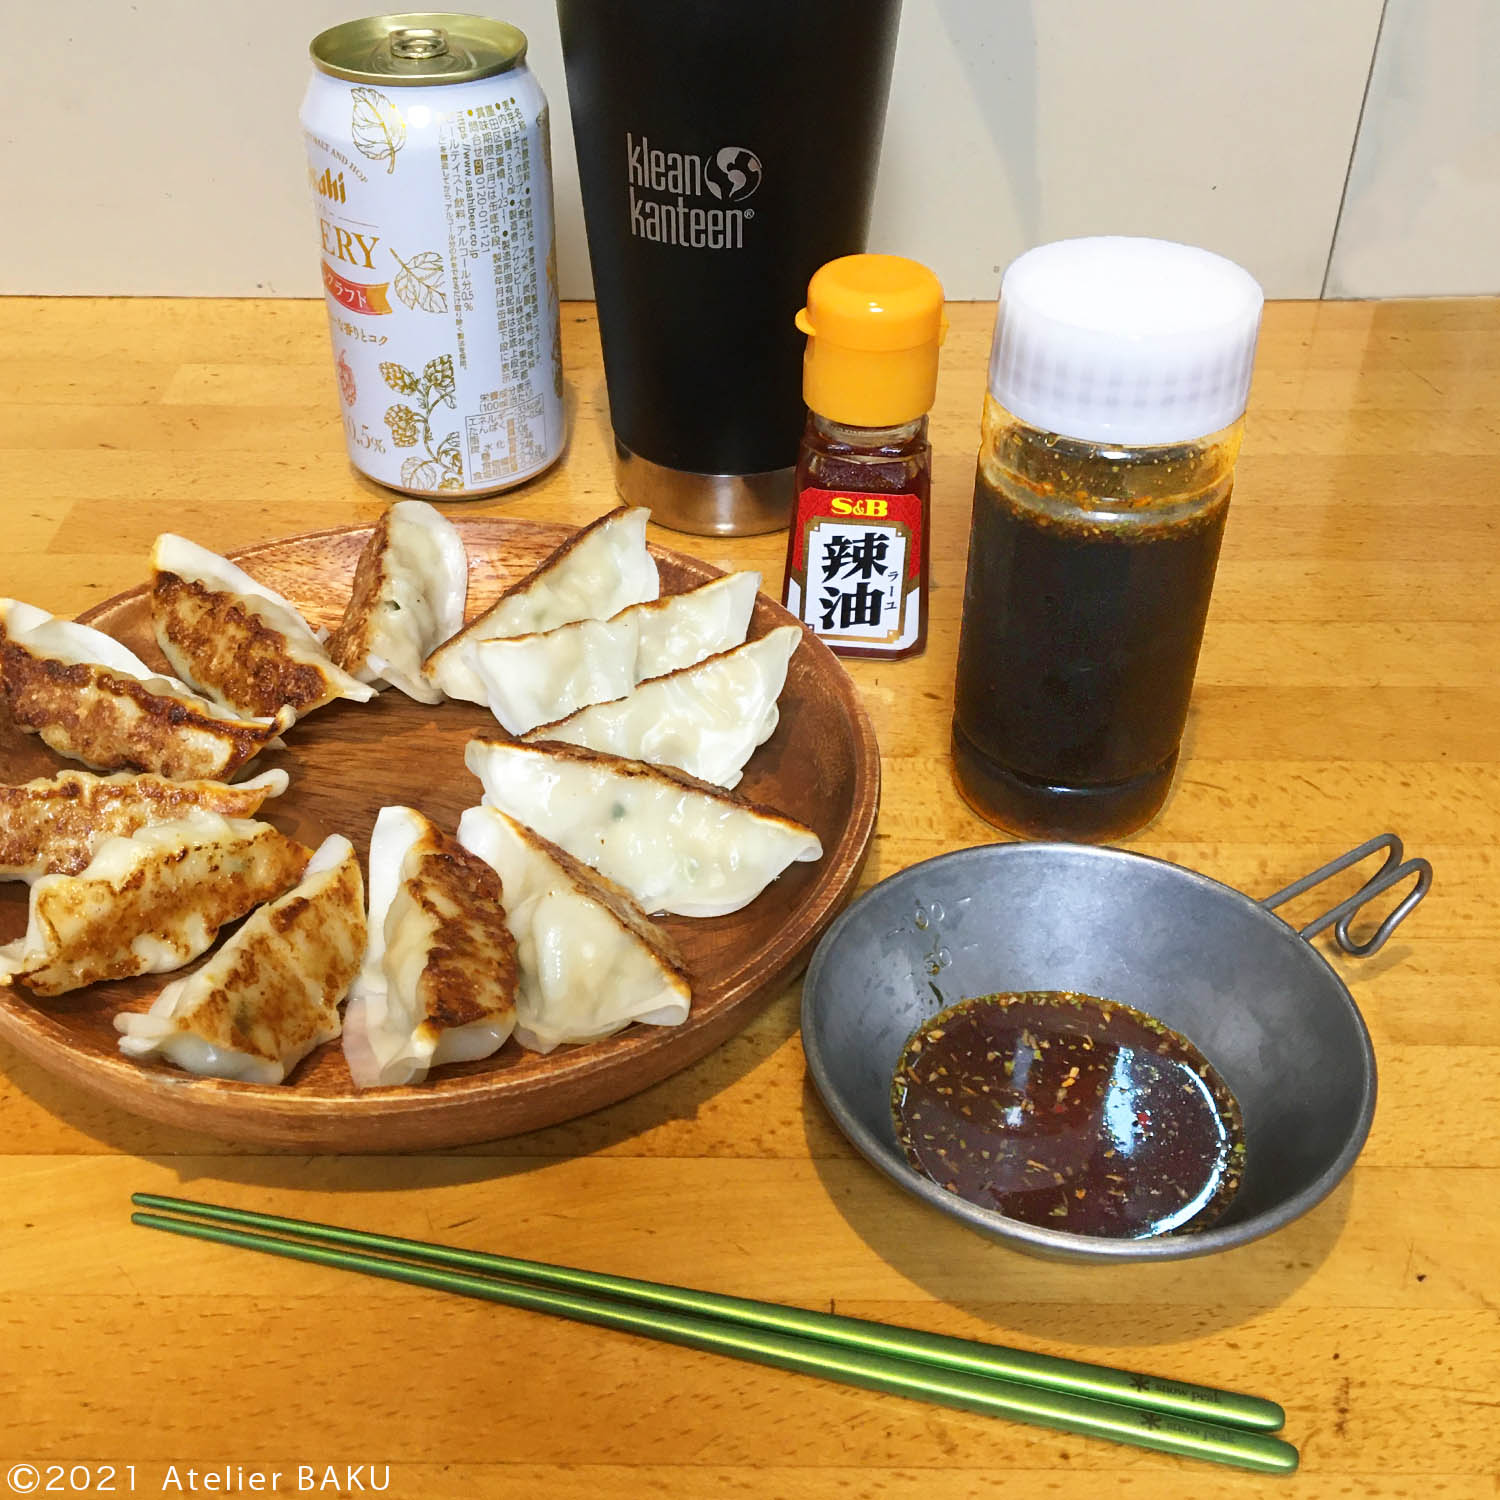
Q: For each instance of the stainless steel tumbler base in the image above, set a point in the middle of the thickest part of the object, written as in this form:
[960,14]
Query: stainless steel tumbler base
[706,504]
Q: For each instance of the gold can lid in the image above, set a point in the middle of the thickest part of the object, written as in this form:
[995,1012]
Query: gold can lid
[418,48]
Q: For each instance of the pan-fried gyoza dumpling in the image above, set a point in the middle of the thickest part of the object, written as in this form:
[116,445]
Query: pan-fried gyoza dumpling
[150,902]
[593,575]
[53,825]
[533,679]
[271,993]
[677,844]
[438,981]
[409,591]
[92,700]
[705,720]
[591,961]
[235,640]
[680,630]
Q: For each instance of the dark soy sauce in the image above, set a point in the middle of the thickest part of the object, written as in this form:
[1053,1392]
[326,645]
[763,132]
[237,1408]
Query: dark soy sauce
[1069,1112]
[1080,639]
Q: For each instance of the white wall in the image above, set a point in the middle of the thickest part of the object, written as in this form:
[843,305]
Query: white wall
[152,147]
[1422,214]
[1226,125]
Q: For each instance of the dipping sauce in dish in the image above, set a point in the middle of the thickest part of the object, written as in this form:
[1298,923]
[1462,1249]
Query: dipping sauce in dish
[1069,1112]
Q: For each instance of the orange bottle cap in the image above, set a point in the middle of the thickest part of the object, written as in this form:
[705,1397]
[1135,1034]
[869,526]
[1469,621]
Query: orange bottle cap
[874,324]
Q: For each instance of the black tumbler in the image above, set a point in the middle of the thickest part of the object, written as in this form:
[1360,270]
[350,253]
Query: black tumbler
[726,150]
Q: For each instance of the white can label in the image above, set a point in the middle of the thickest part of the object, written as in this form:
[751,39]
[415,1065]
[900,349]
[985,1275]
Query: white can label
[435,223]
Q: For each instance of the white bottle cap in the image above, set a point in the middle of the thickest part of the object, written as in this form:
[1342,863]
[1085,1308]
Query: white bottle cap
[1120,340]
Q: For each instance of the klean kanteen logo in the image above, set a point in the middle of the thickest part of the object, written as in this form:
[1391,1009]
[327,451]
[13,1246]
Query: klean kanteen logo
[733,174]
[328,185]
[674,179]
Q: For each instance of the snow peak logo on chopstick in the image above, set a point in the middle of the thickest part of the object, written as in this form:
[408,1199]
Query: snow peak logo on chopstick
[730,175]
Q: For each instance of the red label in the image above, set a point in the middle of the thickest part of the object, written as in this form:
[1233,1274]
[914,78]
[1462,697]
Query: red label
[356,296]
[854,574]
[860,509]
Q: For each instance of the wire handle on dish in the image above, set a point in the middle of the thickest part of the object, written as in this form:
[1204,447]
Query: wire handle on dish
[1392,872]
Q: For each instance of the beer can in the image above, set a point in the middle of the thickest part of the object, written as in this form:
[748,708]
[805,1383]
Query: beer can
[430,166]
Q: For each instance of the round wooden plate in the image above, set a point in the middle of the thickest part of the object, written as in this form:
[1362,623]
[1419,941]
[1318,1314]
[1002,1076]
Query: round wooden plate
[348,760]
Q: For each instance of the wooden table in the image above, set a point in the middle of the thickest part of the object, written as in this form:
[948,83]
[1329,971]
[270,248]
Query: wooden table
[1347,686]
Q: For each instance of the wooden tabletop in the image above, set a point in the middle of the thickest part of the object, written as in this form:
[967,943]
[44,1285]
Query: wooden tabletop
[1347,686]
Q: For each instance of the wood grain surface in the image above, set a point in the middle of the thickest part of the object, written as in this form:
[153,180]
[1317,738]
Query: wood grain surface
[348,760]
[1347,685]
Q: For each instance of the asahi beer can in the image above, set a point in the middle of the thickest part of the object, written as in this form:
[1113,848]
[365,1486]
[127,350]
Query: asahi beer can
[431,172]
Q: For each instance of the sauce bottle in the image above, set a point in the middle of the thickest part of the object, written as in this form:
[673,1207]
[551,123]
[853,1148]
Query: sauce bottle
[1118,379]
[856,568]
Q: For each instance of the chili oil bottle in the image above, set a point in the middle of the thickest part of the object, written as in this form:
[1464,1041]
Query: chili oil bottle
[1118,379]
[856,570]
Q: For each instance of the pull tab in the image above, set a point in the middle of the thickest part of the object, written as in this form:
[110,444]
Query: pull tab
[1392,872]
[417,43]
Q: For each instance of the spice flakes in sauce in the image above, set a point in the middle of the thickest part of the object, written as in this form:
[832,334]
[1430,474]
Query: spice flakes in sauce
[1069,1112]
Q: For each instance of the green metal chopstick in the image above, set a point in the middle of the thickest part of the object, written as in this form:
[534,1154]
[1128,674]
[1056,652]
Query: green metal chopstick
[1021,1400]
[964,1356]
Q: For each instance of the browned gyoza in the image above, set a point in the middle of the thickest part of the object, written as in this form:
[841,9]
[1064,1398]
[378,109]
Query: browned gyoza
[212,639]
[470,971]
[271,994]
[53,825]
[353,639]
[439,979]
[409,590]
[236,640]
[149,903]
[111,722]
[92,700]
